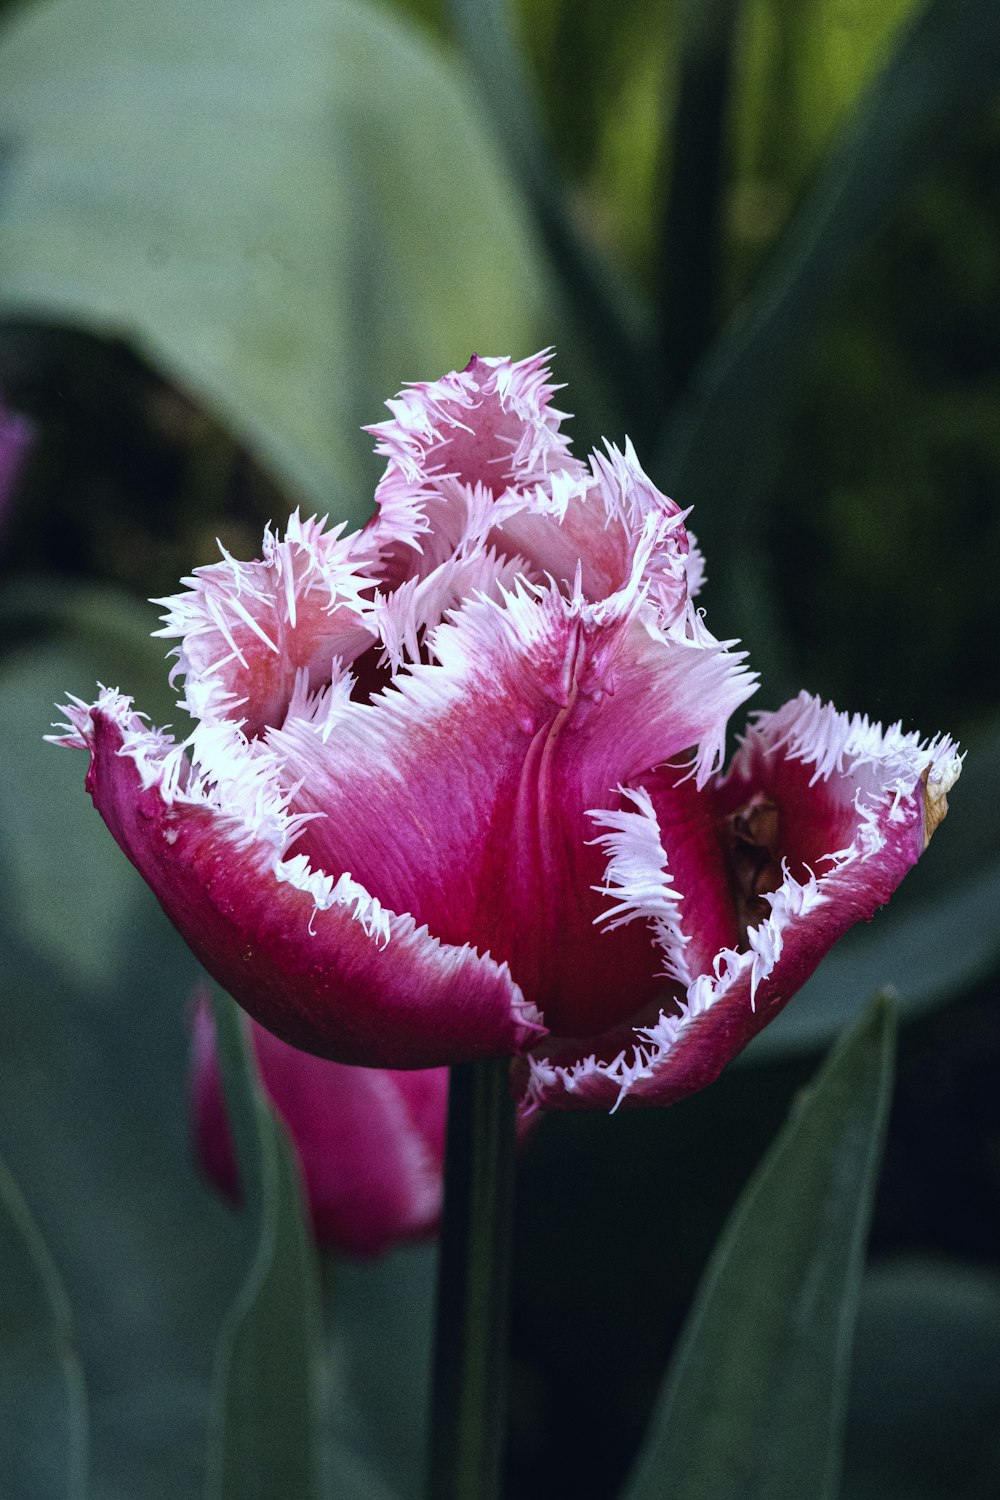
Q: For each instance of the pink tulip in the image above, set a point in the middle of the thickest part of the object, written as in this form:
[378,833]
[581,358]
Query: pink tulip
[455,789]
[370,1142]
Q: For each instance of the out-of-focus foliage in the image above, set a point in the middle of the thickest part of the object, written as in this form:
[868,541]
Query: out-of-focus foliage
[264,1436]
[801,68]
[754,1402]
[227,231]
[43,1437]
[927,1384]
[299,246]
[900,544]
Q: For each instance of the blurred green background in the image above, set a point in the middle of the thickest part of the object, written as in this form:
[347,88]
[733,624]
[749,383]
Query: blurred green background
[764,238]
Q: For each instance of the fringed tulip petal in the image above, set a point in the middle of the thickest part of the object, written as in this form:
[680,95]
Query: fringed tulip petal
[249,631]
[321,961]
[804,777]
[595,532]
[491,424]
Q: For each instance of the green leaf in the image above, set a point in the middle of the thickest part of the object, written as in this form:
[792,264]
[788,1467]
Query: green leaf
[110,630]
[381,1339]
[690,232]
[265,1443]
[926,1385]
[720,448]
[289,209]
[753,1406]
[93,1076]
[70,890]
[43,1408]
[608,313]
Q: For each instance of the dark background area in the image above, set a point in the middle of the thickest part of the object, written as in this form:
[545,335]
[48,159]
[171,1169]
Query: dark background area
[868,538]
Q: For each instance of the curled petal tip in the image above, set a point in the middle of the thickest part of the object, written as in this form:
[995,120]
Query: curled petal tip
[938,780]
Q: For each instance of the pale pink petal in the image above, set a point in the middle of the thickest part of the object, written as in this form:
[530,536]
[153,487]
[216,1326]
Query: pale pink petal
[595,531]
[464,793]
[851,807]
[404,617]
[314,957]
[491,424]
[477,463]
[638,880]
[454,446]
[247,631]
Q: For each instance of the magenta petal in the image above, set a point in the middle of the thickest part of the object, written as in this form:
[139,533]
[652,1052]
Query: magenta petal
[317,961]
[857,806]
[370,1141]
[465,794]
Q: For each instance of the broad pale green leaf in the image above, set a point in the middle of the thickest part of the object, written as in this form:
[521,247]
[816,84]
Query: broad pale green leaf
[265,1441]
[93,1090]
[43,1408]
[753,1406]
[291,209]
[70,889]
[719,449]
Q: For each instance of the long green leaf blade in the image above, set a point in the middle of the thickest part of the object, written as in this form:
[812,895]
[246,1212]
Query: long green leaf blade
[265,1443]
[719,449]
[690,230]
[609,318]
[753,1407]
[43,1409]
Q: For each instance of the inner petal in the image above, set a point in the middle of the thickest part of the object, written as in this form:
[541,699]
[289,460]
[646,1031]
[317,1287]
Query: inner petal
[251,633]
[774,815]
[694,837]
[491,845]
[481,448]
[540,901]
[464,794]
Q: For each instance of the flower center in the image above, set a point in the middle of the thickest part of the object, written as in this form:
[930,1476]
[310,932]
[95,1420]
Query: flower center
[753,834]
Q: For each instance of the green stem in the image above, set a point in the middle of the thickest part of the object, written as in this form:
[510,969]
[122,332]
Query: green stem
[470,1357]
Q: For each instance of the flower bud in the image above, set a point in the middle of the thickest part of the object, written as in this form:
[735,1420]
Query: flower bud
[370,1141]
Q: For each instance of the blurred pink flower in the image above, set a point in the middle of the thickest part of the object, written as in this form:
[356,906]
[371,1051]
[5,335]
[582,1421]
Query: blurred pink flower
[455,790]
[16,433]
[370,1141]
